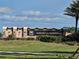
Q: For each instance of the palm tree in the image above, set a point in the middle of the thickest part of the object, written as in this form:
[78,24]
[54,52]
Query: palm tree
[73,11]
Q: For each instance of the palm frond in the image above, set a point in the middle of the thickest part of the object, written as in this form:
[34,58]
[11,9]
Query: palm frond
[73,9]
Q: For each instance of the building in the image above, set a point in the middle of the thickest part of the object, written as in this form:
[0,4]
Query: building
[25,32]
[45,31]
[15,31]
[7,31]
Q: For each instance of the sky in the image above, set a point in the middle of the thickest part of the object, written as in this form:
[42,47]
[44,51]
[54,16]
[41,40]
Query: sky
[35,13]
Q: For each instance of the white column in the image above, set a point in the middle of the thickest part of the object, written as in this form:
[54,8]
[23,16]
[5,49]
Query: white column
[25,34]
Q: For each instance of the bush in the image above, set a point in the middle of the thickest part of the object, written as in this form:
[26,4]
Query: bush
[10,37]
[45,38]
[73,37]
[68,38]
[30,39]
[25,38]
[58,39]
[0,35]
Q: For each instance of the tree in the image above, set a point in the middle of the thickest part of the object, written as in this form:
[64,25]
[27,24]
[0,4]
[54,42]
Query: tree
[73,11]
[0,35]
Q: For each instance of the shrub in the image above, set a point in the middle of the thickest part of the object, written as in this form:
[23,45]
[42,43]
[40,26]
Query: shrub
[25,38]
[46,38]
[58,39]
[68,38]
[0,35]
[73,37]
[30,39]
[10,37]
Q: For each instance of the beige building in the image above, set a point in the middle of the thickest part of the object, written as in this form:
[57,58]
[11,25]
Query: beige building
[25,32]
[15,31]
[7,31]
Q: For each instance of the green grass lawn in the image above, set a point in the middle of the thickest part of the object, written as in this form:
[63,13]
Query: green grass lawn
[34,46]
[26,56]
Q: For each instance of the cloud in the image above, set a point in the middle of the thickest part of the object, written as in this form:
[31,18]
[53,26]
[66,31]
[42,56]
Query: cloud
[7,13]
[38,15]
[10,17]
[33,15]
[4,10]
[48,19]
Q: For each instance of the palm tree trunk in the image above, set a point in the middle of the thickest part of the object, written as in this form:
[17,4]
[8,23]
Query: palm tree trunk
[76,24]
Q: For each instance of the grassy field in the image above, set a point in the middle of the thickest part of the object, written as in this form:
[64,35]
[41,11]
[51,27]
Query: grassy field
[33,46]
[25,56]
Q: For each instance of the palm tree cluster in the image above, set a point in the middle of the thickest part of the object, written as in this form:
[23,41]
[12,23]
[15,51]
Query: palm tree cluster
[73,10]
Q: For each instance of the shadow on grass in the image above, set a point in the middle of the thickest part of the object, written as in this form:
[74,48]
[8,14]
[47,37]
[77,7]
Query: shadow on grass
[27,58]
[35,58]
[60,52]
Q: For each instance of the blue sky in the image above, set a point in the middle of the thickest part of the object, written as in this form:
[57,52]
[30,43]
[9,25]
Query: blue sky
[35,13]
